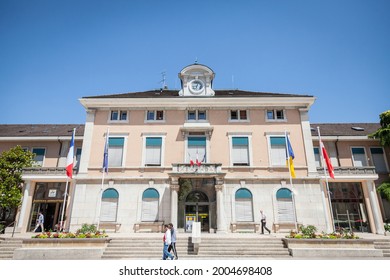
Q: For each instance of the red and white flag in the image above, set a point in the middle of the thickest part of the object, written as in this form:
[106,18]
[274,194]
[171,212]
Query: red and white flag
[191,161]
[69,158]
[327,160]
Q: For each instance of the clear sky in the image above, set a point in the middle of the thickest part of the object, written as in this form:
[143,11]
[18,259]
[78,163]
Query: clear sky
[54,52]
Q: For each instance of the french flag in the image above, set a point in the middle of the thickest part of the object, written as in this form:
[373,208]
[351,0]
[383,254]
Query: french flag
[69,158]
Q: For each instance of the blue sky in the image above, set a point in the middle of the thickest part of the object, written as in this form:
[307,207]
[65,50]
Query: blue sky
[54,52]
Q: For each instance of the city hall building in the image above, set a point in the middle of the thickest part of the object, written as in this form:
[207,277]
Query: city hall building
[201,154]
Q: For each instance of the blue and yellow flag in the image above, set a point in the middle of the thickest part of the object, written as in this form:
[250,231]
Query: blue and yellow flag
[290,157]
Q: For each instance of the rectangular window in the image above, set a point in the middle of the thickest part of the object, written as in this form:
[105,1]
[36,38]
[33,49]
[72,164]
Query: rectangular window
[240,151]
[317,156]
[118,115]
[153,151]
[378,160]
[154,115]
[238,115]
[196,115]
[278,151]
[196,148]
[275,115]
[115,151]
[359,157]
[39,156]
[78,156]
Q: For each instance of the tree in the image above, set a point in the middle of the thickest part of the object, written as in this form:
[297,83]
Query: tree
[383,134]
[12,163]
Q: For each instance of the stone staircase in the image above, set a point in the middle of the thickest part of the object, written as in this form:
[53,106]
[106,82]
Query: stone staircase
[211,247]
[383,245]
[8,246]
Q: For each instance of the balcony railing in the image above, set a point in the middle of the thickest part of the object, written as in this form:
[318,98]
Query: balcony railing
[350,170]
[44,171]
[204,168]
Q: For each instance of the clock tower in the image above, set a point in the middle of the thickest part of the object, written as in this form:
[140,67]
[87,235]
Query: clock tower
[196,80]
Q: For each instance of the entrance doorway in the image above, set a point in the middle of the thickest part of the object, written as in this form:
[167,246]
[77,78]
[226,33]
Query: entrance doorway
[349,209]
[48,198]
[197,202]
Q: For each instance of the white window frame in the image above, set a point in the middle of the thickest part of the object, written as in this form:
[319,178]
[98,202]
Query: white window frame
[43,159]
[275,119]
[270,160]
[250,155]
[186,157]
[147,135]
[155,116]
[238,115]
[384,159]
[365,156]
[317,159]
[118,120]
[197,115]
[118,135]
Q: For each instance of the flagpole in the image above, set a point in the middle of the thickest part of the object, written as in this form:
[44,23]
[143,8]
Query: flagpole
[61,225]
[63,206]
[326,179]
[104,169]
[291,183]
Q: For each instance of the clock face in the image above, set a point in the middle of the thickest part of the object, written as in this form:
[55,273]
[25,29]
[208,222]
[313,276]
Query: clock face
[196,86]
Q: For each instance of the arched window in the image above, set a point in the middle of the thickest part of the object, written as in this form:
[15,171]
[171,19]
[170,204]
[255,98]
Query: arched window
[285,205]
[150,202]
[244,206]
[109,206]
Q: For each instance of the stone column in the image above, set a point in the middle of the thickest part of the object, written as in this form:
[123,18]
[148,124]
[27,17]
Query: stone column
[221,222]
[375,208]
[174,200]
[87,142]
[24,209]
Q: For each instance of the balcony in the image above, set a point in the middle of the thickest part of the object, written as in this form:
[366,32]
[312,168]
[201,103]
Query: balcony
[203,169]
[45,171]
[350,170]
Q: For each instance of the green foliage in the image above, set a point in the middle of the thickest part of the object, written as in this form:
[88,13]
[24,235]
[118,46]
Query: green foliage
[387,227]
[12,163]
[87,228]
[384,190]
[383,133]
[309,232]
[86,231]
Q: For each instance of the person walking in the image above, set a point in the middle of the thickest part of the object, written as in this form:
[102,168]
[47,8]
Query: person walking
[172,247]
[40,222]
[167,241]
[264,222]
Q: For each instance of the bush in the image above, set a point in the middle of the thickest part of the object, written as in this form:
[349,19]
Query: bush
[387,227]
[86,231]
[309,232]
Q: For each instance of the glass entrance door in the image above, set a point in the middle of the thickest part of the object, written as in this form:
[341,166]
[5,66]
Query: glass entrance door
[197,213]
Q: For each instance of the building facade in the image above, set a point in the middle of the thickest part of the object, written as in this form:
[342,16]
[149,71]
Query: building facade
[207,155]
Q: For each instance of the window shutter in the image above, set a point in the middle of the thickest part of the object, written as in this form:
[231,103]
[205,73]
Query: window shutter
[153,151]
[149,210]
[109,210]
[244,211]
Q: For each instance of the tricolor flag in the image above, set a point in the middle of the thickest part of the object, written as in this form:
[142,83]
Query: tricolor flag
[327,160]
[290,156]
[69,158]
[191,161]
[105,156]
